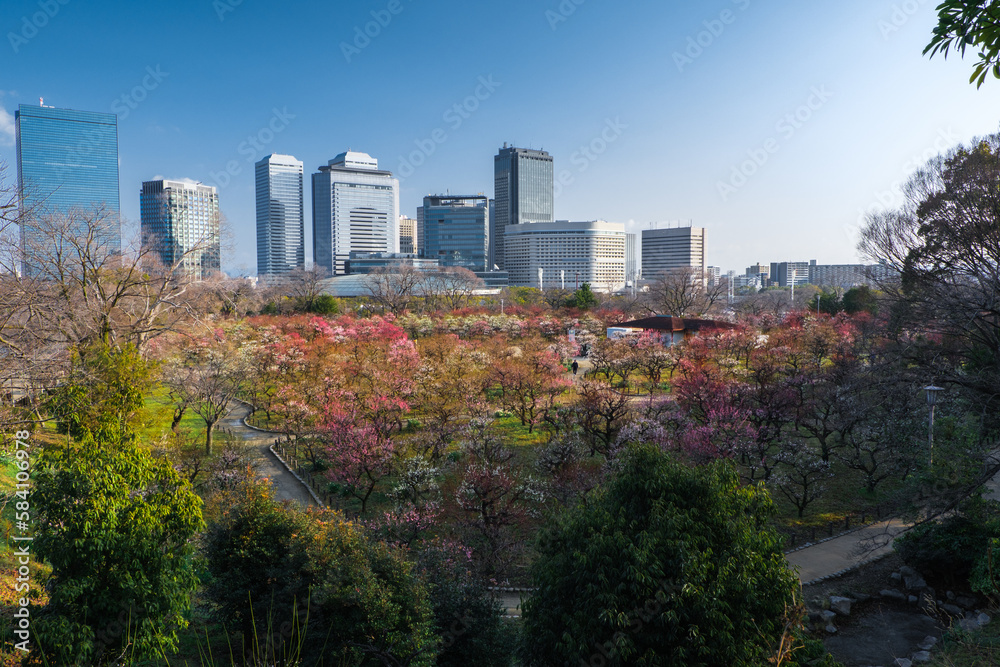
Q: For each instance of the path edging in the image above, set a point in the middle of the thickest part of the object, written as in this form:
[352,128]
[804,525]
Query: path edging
[296,475]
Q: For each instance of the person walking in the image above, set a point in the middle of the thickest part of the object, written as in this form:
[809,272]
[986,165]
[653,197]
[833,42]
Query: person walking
[575,367]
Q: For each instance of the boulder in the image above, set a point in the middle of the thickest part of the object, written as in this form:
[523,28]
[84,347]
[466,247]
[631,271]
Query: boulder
[922,656]
[892,593]
[907,571]
[965,602]
[827,616]
[950,595]
[841,605]
[860,597]
[983,618]
[903,662]
[915,583]
[896,576]
[952,610]
[969,624]
[832,629]
[928,643]
[912,599]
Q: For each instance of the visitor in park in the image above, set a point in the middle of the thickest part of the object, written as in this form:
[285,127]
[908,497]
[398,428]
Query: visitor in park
[575,366]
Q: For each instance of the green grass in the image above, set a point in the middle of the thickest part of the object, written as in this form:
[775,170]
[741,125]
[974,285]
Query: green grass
[157,415]
[978,649]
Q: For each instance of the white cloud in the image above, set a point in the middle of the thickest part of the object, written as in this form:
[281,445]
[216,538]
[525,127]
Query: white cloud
[6,128]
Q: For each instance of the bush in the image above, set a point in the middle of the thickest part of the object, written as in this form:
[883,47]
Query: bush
[666,565]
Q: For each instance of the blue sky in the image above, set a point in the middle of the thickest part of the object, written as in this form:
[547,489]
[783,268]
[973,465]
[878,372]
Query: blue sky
[775,125]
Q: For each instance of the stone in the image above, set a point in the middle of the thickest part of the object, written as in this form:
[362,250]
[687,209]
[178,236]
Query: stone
[912,599]
[896,576]
[928,643]
[952,609]
[892,593]
[950,595]
[921,656]
[861,597]
[984,618]
[840,605]
[832,629]
[903,662]
[969,624]
[915,583]
[965,602]
[815,617]
[827,616]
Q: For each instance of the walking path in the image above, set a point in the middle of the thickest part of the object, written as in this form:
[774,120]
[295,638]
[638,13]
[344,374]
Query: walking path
[286,486]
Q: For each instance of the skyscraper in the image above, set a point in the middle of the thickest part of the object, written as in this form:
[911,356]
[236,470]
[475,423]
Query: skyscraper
[673,248]
[524,185]
[180,224]
[281,245]
[355,209]
[407,235]
[456,231]
[67,161]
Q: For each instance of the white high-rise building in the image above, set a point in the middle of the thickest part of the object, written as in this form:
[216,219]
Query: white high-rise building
[574,252]
[673,248]
[180,224]
[281,230]
[407,235]
[355,209]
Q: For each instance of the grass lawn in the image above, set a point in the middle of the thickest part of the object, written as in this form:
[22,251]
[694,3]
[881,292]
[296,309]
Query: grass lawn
[157,415]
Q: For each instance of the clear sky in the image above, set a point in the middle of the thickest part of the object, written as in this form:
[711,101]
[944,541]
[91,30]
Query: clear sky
[654,110]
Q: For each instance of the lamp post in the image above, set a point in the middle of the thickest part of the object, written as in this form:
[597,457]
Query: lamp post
[932,396]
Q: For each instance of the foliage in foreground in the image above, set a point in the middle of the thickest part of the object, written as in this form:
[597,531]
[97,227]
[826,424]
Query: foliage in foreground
[667,565]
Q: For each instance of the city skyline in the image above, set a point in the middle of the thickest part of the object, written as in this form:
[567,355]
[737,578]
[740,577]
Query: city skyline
[774,138]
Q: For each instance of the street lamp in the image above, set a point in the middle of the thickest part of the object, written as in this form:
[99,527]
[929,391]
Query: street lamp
[932,397]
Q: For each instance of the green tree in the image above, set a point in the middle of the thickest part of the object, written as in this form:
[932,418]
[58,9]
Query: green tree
[583,298]
[965,23]
[116,524]
[827,301]
[665,565]
[860,299]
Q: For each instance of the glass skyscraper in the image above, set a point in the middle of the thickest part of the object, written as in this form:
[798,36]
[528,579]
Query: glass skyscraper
[456,231]
[280,218]
[355,209]
[180,224]
[67,161]
[524,183]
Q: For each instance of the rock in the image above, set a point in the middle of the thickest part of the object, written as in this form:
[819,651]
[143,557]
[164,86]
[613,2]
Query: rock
[928,643]
[912,599]
[896,576]
[950,595]
[903,662]
[827,616]
[907,571]
[840,605]
[832,629]
[983,618]
[952,610]
[861,597]
[892,593]
[921,656]
[965,602]
[815,617]
[969,624]
[915,583]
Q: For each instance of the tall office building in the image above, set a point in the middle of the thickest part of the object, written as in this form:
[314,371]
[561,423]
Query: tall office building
[631,260]
[553,254]
[281,241]
[673,248]
[67,161]
[355,209]
[180,224]
[407,235]
[524,183]
[785,273]
[456,231]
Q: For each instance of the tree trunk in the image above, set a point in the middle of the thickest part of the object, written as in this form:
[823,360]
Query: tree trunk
[209,429]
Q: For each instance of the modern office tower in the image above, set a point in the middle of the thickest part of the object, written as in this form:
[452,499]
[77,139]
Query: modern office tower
[631,260]
[281,232]
[67,161]
[784,274]
[713,274]
[673,248]
[180,224]
[355,209]
[524,183]
[570,253]
[407,235]
[456,231]
[758,270]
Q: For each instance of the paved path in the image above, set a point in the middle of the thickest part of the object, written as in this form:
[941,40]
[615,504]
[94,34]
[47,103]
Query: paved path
[286,487]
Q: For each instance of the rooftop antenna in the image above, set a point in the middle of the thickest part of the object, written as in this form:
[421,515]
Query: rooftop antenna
[41,101]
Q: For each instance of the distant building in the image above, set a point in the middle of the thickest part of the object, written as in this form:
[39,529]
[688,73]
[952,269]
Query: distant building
[848,275]
[713,274]
[355,209]
[456,231]
[631,260]
[783,274]
[364,263]
[670,330]
[758,271]
[281,246]
[570,253]
[673,248]
[66,160]
[407,235]
[524,188]
[180,224]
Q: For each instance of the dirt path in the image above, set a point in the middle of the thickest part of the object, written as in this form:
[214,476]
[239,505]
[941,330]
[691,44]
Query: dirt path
[286,486]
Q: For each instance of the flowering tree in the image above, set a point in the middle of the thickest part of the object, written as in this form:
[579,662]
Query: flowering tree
[528,378]
[359,454]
